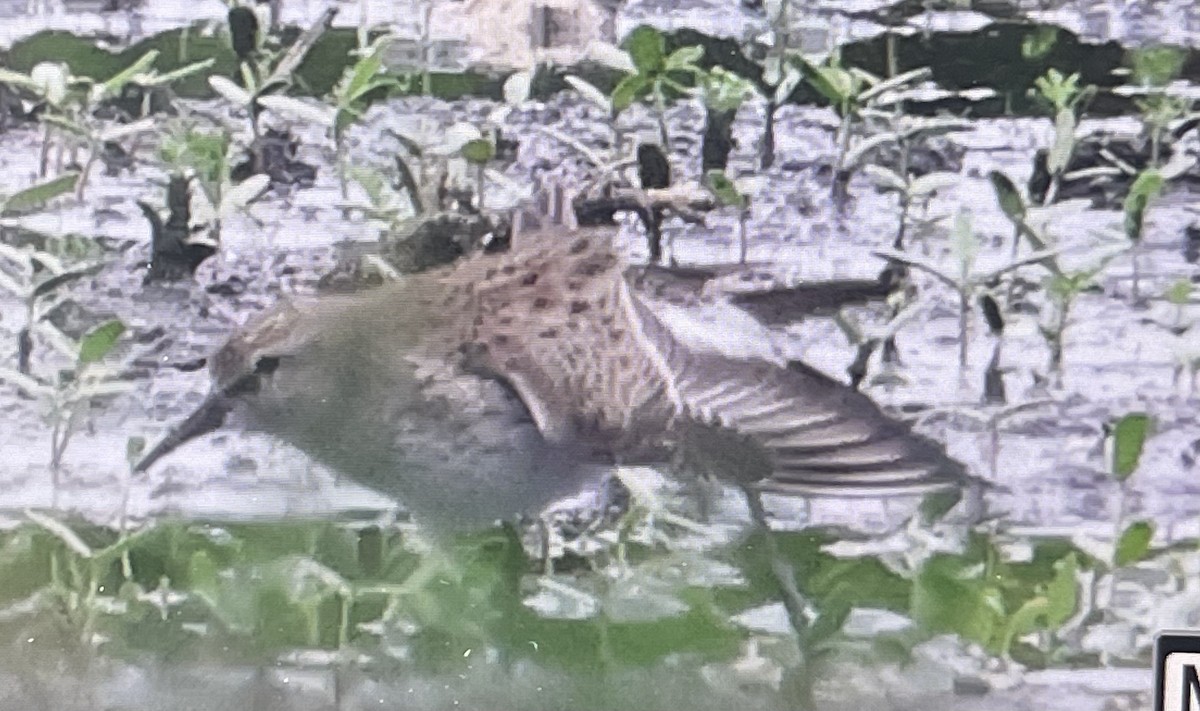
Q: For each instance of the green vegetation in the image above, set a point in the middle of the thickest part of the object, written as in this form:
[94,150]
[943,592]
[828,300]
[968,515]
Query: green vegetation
[657,590]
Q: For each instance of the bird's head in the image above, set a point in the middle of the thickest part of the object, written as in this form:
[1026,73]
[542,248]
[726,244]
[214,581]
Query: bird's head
[243,372]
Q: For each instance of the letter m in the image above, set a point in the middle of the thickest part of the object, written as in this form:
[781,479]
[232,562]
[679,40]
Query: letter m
[1191,688]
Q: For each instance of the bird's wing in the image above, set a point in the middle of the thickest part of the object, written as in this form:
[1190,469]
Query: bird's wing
[793,429]
[553,325]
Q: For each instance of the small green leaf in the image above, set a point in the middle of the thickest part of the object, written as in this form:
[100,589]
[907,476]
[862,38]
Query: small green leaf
[647,49]
[724,189]
[181,73]
[1129,437]
[1039,42]
[1145,188]
[123,77]
[1008,197]
[37,196]
[479,151]
[204,576]
[229,91]
[1064,141]
[134,446]
[100,341]
[1157,66]
[946,597]
[8,76]
[358,79]
[629,90]
[590,92]
[1062,592]
[1025,620]
[1179,293]
[1134,543]
[829,622]
[684,59]
[835,84]
[1067,286]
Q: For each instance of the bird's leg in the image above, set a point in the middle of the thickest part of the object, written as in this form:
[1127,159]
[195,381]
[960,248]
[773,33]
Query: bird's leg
[968,500]
[701,483]
[801,614]
[545,562]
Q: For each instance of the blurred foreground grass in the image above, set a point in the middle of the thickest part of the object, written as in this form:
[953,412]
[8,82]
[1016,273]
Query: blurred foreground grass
[644,617]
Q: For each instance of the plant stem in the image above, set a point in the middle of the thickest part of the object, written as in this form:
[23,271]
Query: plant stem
[363,7]
[1136,291]
[1056,355]
[81,182]
[340,153]
[766,152]
[479,183]
[892,64]
[905,204]
[426,77]
[964,308]
[660,106]
[1118,525]
[1012,257]
[44,155]
[742,236]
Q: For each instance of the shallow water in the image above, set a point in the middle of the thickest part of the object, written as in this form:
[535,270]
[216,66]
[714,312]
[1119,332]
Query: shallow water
[1119,358]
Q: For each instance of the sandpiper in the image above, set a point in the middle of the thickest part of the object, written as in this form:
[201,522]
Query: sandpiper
[501,383]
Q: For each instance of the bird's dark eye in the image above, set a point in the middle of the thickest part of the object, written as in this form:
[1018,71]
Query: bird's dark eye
[266,365]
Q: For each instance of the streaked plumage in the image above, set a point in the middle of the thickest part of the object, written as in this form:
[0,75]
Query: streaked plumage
[502,383]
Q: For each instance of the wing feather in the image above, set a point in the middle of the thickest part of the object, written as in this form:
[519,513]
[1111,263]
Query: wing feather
[819,436]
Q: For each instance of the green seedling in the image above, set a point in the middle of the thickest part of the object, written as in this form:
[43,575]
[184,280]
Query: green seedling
[657,76]
[867,338]
[1013,205]
[1063,289]
[367,75]
[965,281]
[1180,295]
[271,77]
[1124,444]
[892,127]
[780,77]
[67,396]
[344,106]
[910,191]
[1158,112]
[1156,66]
[478,152]
[851,91]
[1067,101]
[1187,353]
[727,194]
[71,103]
[36,196]
[205,157]
[36,278]
[611,57]
[985,596]
[53,84]
[724,93]
[1147,187]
